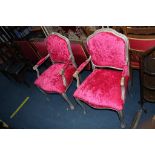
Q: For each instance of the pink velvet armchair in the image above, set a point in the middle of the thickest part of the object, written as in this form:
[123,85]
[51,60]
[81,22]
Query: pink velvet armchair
[105,87]
[58,77]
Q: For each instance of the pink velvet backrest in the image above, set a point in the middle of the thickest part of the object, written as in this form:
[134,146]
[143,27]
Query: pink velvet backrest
[107,49]
[58,48]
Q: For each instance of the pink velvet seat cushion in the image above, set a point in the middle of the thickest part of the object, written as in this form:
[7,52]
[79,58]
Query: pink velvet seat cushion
[51,80]
[101,89]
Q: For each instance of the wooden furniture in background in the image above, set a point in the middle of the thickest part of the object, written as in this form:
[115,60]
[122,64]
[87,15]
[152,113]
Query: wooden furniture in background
[147,77]
[27,51]
[13,64]
[147,83]
[141,38]
[148,124]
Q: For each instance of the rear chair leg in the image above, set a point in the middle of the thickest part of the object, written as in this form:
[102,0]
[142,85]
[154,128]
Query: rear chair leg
[81,104]
[69,102]
[121,117]
[136,119]
[131,75]
[80,79]
[129,92]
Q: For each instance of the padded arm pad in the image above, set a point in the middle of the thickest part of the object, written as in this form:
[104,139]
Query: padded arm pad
[81,67]
[41,61]
[63,71]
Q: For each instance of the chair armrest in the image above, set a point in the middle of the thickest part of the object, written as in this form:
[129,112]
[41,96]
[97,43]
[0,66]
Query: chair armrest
[122,82]
[62,72]
[40,62]
[122,88]
[125,75]
[81,67]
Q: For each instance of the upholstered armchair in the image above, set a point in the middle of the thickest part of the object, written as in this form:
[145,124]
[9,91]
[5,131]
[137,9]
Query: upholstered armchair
[105,87]
[58,77]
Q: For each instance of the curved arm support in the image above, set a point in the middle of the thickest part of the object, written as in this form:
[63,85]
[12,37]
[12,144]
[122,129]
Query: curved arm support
[40,62]
[79,69]
[62,72]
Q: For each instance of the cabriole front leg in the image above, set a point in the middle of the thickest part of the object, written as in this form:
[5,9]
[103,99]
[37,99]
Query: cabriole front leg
[68,101]
[121,118]
[47,98]
[81,104]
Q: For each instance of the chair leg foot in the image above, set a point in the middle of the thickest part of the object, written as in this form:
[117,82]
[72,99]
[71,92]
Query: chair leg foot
[81,104]
[121,117]
[68,101]
[136,119]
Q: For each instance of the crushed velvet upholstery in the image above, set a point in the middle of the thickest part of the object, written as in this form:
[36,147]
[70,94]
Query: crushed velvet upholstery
[66,65]
[101,89]
[79,54]
[57,48]
[82,66]
[107,49]
[51,80]
[41,61]
[77,49]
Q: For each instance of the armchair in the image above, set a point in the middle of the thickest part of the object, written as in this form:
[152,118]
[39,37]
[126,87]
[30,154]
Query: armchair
[105,87]
[58,77]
